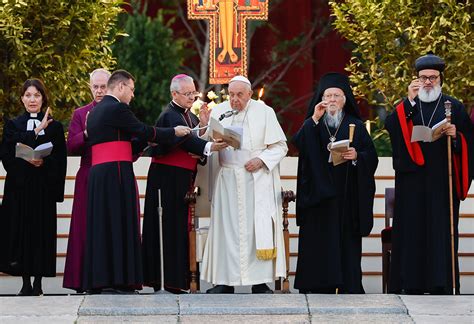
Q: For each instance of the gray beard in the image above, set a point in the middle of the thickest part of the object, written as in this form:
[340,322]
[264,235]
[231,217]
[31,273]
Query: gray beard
[333,120]
[429,96]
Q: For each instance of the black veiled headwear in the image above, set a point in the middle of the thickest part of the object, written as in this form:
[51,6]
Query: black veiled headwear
[335,80]
[431,62]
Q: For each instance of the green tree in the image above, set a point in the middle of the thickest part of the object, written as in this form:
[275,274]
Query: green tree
[387,36]
[153,55]
[58,41]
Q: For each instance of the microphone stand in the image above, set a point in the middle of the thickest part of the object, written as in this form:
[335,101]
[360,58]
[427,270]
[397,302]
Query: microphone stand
[162,261]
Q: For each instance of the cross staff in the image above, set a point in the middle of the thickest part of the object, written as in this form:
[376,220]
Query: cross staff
[447,107]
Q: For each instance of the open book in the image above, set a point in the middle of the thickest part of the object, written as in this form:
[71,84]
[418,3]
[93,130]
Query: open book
[336,149]
[27,153]
[425,134]
[230,135]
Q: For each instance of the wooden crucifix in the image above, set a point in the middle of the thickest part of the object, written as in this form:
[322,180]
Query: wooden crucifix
[227,33]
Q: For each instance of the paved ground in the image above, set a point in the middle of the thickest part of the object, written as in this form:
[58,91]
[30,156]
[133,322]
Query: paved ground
[238,308]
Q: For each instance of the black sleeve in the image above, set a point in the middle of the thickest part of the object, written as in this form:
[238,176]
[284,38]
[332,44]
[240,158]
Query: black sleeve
[314,181]
[367,161]
[125,120]
[11,136]
[190,143]
[55,164]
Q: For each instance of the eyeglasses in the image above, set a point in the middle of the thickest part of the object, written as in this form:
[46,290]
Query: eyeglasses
[334,95]
[432,78]
[133,89]
[189,94]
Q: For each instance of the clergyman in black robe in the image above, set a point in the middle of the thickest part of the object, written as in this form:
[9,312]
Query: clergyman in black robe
[334,203]
[172,171]
[32,189]
[421,241]
[113,249]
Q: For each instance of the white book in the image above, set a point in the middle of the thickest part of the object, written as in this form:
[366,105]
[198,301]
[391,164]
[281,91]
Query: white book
[27,153]
[337,148]
[231,135]
[425,134]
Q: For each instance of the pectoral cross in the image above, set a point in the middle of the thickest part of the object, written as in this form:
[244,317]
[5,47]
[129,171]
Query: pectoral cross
[227,33]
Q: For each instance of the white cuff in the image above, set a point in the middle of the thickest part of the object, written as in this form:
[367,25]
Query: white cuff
[207,149]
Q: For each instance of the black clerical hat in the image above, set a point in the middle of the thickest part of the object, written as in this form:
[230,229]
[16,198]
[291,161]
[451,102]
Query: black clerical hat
[430,61]
[335,80]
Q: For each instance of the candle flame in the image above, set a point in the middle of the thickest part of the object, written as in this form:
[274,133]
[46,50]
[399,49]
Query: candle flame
[261,92]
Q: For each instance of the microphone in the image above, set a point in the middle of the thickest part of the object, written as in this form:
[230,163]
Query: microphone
[228,114]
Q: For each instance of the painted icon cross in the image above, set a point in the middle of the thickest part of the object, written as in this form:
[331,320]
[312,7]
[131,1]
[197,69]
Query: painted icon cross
[227,33]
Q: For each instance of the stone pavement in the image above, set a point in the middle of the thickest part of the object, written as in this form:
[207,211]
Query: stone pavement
[238,308]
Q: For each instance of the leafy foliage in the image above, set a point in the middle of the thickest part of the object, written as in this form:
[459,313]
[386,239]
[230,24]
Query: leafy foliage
[153,55]
[387,36]
[58,41]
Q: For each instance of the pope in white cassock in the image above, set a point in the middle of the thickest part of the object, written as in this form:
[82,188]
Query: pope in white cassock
[245,241]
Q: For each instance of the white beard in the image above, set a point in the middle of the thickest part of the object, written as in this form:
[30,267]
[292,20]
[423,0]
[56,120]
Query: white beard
[429,96]
[333,120]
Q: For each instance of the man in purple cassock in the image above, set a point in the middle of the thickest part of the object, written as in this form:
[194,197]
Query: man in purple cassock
[77,145]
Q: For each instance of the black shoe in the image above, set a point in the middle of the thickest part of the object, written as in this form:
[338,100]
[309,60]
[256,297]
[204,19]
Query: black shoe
[261,289]
[94,291]
[25,291]
[119,291]
[175,291]
[37,291]
[221,289]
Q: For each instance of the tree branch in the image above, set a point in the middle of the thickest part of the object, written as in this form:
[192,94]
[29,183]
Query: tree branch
[197,43]
[307,43]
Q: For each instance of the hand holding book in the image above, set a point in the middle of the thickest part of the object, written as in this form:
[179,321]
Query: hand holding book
[34,156]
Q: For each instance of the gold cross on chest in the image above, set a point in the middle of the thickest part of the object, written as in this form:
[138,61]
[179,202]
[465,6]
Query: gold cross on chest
[227,33]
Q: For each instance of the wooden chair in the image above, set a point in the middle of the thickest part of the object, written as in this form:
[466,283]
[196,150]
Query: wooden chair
[191,198]
[386,236]
[286,197]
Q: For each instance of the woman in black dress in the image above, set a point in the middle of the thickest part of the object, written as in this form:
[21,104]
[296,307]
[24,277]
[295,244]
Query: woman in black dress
[32,189]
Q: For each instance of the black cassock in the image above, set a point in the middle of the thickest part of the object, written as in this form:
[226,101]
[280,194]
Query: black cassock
[28,223]
[421,244]
[113,253]
[172,171]
[333,216]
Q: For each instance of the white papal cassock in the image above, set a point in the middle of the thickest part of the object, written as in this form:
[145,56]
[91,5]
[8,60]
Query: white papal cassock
[246,209]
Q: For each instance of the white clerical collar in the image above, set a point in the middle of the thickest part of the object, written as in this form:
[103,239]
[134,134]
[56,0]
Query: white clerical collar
[33,115]
[109,94]
[31,124]
[185,109]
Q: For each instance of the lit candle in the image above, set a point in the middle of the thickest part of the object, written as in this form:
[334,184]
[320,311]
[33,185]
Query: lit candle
[260,95]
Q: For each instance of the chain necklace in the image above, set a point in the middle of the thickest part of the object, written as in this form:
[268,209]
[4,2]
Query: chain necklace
[332,138]
[184,115]
[432,115]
